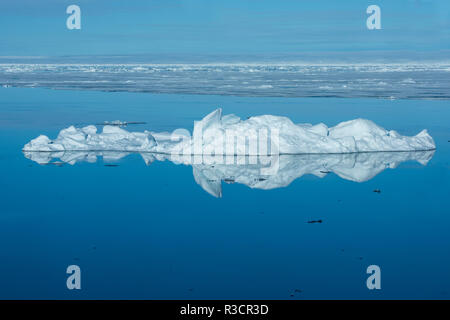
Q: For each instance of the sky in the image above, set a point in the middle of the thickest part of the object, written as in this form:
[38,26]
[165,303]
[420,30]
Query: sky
[415,29]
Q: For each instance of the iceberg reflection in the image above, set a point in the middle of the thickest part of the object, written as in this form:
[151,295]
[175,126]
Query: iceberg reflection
[268,172]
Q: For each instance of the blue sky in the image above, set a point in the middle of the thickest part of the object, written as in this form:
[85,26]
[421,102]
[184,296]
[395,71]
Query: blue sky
[415,28]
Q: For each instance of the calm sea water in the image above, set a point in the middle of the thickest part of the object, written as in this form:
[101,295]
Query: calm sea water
[139,231]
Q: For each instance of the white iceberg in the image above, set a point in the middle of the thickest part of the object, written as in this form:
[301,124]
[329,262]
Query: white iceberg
[229,135]
[263,152]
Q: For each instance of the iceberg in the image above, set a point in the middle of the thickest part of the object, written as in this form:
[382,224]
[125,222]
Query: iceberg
[261,152]
[218,134]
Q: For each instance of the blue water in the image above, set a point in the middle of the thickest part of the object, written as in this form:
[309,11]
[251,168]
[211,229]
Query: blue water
[140,231]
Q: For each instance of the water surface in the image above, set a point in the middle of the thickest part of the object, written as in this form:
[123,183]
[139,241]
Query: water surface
[151,231]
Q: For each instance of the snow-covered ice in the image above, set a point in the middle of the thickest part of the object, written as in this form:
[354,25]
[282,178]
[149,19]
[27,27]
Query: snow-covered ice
[229,135]
[112,138]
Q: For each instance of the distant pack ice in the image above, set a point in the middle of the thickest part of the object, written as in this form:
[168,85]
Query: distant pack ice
[218,134]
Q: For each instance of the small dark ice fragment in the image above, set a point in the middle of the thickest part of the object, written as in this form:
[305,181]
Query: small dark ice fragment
[315,221]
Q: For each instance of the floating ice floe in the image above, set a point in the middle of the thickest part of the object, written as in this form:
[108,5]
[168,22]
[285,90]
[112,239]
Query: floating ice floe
[229,135]
[263,152]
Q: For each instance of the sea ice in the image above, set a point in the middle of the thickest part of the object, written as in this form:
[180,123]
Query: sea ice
[112,138]
[229,135]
